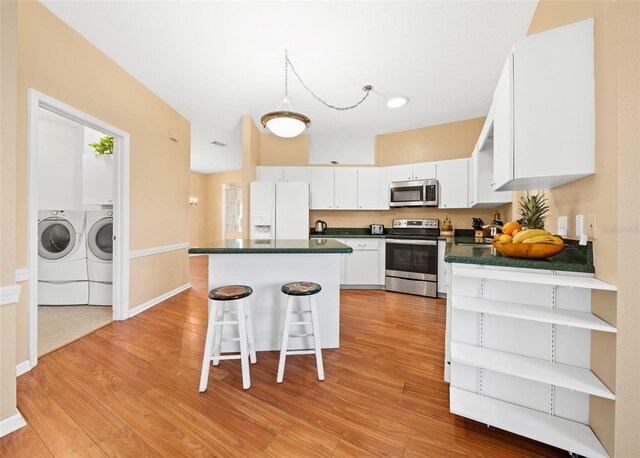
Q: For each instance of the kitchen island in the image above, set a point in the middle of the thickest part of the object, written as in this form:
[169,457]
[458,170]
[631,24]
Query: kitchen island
[265,265]
[518,342]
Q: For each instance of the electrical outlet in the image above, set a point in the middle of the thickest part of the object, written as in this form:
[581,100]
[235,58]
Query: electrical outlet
[590,227]
[563,223]
[579,225]
[170,272]
[466,224]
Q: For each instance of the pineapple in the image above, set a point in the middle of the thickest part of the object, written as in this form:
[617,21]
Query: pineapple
[533,210]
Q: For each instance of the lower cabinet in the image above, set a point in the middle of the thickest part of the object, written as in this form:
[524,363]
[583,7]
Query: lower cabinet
[365,266]
[442,269]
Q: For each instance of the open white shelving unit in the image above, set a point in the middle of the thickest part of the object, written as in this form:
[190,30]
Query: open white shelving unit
[556,279]
[533,313]
[568,435]
[571,377]
[518,352]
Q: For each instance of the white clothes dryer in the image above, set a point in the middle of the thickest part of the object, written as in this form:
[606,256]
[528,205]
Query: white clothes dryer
[62,251]
[100,245]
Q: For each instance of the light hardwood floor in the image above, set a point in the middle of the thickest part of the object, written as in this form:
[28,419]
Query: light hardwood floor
[131,389]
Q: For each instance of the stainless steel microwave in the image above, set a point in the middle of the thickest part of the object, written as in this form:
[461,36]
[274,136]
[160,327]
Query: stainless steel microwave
[417,193]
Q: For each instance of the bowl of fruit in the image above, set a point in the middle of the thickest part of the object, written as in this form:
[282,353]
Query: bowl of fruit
[516,242]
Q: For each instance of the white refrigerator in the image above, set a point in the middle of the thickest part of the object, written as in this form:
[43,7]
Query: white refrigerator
[279,211]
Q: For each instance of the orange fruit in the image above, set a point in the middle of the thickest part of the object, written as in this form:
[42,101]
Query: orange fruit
[496,238]
[510,227]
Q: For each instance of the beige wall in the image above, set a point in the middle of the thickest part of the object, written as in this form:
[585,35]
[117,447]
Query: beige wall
[8,100]
[251,140]
[612,195]
[200,216]
[276,150]
[57,61]
[434,143]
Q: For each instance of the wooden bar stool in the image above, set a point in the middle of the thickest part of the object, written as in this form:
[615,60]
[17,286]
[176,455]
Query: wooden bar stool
[292,290]
[219,298]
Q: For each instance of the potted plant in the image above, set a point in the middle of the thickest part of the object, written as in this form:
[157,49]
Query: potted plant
[104,146]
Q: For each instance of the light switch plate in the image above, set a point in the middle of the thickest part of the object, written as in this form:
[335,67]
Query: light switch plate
[563,223]
[579,225]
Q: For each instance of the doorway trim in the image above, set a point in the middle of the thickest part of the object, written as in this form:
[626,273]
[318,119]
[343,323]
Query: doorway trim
[38,100]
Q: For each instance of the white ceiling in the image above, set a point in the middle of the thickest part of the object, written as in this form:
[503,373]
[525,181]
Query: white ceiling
[215,61]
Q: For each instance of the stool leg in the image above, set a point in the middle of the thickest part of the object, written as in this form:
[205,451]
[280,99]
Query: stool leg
[208,347]
[285,339]
[252,345]
[316,337]
[217,333]
[244,356]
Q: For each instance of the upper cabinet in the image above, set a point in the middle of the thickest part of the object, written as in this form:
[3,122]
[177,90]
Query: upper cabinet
[406,172]
[373,192]
[481,193]
[346,188]
[270,173]
[542,121]
[297,174]
[453,181]
[97,179]
[322,188]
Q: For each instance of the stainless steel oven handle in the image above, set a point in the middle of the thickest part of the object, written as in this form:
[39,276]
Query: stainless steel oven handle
[414,242]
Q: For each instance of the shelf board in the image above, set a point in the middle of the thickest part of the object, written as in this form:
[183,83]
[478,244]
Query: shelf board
[563,375]
[534,277]
[532,312]
[559,432]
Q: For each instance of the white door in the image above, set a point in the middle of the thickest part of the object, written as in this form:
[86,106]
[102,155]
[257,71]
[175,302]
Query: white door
[400,172]
[292,211]
[370,189]
[297,174]
[322,188]
[424,170]
[453,180]
[503,127]
[346,189]
[270,173]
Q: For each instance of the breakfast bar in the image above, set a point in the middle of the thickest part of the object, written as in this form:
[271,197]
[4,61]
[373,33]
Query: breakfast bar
[265,265]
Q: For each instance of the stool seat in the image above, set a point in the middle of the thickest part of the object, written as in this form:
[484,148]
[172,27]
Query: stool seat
[301,288]
[230,292]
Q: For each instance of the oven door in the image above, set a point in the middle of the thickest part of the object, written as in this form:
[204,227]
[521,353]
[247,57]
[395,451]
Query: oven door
[412,259]
[407,194]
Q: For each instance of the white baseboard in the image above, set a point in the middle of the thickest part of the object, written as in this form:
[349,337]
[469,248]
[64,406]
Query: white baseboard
[22,275]
[147,305]
[11,424]
[10,294]
[23,367]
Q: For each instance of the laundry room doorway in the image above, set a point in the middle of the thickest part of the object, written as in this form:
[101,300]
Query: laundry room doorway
[78,224]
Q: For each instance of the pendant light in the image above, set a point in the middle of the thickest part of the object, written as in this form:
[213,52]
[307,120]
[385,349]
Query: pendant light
[284,122]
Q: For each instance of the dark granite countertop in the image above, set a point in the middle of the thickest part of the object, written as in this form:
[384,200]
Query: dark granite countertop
[347,233]
[574,258]
[240,246]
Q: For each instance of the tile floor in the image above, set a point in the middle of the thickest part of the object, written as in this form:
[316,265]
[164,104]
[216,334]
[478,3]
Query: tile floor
[60,325]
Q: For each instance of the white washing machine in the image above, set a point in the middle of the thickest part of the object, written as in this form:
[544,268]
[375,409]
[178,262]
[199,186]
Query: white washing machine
[62,258]
[100,256]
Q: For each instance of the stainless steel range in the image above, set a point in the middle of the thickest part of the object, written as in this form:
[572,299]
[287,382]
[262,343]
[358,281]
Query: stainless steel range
[412,257]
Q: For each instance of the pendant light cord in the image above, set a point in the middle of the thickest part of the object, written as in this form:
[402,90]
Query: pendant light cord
[287,63]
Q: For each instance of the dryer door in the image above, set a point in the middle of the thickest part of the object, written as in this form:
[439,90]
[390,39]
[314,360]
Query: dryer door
[56,238]
[100,239]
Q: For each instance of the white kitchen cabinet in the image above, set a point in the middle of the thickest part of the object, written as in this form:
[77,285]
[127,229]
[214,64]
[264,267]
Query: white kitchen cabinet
[362,267]
[544,110]
[372,192]
[345,188]
[481,193]
[424,170]
[97,179]
[453,181]
[400,172]
[322,192]
[269,173]
[297,174]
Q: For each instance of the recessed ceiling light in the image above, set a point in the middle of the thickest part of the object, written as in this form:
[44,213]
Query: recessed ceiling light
[397,102]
